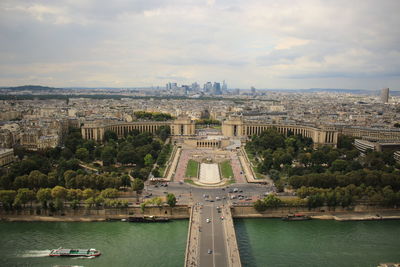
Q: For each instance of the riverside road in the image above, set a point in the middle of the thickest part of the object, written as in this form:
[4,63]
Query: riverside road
[187,194]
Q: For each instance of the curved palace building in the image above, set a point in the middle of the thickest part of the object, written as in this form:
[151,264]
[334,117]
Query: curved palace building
[235,126]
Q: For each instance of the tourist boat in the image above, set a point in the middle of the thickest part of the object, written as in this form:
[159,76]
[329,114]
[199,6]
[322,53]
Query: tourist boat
[66,252]
[148,219]
[296,217]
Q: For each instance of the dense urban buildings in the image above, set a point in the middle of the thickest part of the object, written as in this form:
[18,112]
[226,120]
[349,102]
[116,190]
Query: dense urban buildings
[40,124]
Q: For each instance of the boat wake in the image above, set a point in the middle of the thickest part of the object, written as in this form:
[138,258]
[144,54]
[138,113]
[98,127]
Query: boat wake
[35,253]
[84,257]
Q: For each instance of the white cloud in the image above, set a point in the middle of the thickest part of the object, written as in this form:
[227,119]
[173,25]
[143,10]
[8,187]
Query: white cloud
[290,42]
[254,42]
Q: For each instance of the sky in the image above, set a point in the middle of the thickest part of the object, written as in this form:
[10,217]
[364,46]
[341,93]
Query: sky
[266,44]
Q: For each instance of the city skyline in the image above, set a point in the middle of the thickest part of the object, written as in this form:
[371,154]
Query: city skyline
[150,43]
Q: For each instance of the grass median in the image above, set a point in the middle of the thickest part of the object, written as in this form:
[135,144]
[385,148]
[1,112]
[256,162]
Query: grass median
[226,169]
[192,168]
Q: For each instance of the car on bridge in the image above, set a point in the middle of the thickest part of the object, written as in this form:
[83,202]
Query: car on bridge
[209,251]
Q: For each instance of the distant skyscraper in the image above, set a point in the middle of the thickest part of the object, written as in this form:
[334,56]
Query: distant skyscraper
[217,88]
[253,90]
[207,87]
[195,87]
[385,95]
[224,86]
[171,86]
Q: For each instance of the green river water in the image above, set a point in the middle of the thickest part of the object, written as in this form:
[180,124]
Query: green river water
[262,242]
[121,243]
[273,242]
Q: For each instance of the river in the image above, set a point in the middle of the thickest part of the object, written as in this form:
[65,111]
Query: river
[272,242]
[262,242]
[121,243]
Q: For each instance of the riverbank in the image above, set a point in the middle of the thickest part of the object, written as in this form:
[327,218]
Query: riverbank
[94,215]
[183,212]
[339,214]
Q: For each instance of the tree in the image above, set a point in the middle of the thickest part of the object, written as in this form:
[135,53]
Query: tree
[332,156]
[156,172]
[137,186]
[24,195]
[90,202]
[82,154]
[389,196]
[73,139]
[69,178]
[318,157]
[304,158]
[272,201]
[108,155]
[36,179]
[110,135]
[373,160]
[163,132]
[90,145]
[7,197]
[74,194]
[21,182]
[89,193]
[60,194]
[269,139]
[157,201]
[109,193]
[26,166]
[127,156]
[148,160]
[125,180]
[66,153]
[274,174]
[6,181]
[44,195]
[171,200]
[260,206]
[315,201]
[345,142]
[339,165]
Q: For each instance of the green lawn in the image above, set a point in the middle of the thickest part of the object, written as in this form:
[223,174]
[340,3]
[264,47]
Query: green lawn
[192,168]
[164,166]
[254,163]
[226,169]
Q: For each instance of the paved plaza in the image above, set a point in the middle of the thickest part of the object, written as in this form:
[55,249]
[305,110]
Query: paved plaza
[209,159]
[209,173]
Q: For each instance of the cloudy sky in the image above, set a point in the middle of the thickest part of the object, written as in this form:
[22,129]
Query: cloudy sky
[261,43]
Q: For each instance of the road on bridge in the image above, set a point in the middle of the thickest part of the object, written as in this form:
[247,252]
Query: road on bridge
[212,237]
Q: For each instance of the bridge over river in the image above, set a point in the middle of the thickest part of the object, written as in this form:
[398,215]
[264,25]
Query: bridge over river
[211,238]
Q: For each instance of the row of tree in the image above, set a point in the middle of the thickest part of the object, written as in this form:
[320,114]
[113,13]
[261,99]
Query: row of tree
[157,201]
[70,179]
[313,197]
[359,177]
[349,195]
[54,198]
[152,116]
